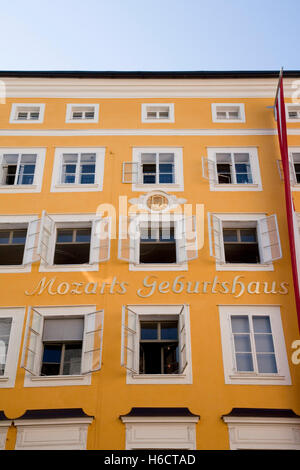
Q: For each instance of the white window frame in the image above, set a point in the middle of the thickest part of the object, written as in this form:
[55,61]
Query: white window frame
[209,169]
[225,107]
[178,169]
[293,181]
[170,118]
[17,314]
[14,222]
[15,108]
[56,380]
[57,186]
[282,377]
[38,173]
[136,313]
[238,221]
[289,107]
[170,432]
[52,434]
[69,112]
[261,433]
[4,427]
[71,221]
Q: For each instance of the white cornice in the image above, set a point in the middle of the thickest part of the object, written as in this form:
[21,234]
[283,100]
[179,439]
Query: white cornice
[139,132]
[144,88]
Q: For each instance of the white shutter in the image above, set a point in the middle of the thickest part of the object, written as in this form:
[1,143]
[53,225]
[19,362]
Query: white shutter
[183,362]
[186,239]
[129,340]
[100,240]
[209,170]
[270,247]
[216,243]
[32,240]
[47,231]
[32,343]
[293,178]
[92,342]
[130,172]
[127,239]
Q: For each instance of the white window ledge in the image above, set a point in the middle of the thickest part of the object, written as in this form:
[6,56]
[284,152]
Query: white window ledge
[57,380]
[244,267]
[66,268]
[158,267]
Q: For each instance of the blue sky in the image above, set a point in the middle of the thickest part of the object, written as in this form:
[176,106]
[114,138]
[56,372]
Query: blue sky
[149,35]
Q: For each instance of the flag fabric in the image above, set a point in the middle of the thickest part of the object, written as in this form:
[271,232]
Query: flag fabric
[290,209]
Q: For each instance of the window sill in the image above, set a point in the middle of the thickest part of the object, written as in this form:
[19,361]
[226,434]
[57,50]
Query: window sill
[18,187]
[257,379]
[4,379]
[244,267]
[56,380]
[64,268]
[150,187]
[158,267]
[165,379]
[6,269]
[235,187]
[72,187]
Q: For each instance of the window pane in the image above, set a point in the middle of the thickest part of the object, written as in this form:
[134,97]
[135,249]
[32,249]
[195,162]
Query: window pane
[170,358]
[88,168]
[83,235]
[240,324]
[266,363]
[230,235]
[244,362]
[248,235]
[169,330]
[242,343]
[87,179]
[51,359]
[72,359]
[166,158]
[64,236]
[19,236]
[70,157]
[261,324]
[148,330]
[4,238]
[264,343]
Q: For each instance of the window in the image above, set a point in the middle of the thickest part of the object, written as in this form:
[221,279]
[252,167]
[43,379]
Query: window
[15,243]
[258,353]
[292,112]
[82,112]
[11,324]
[228,112]
[158,112]
[294,166]
[232,169]
[78,169]
[53,429]
[27,113]
[160,428]
[62,344]
[241,241]
[69,242]
[21,170]
[156,344]
[154,168]
[161,242]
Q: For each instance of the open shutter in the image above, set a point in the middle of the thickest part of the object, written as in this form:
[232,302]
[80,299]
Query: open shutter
[47,230]
[186,239]
[293,178]
[216,244]
[129,340]
[183,362]
[32,240]
[100,240]
[92,342]
[32,342]
[130,172]
[209,170]
[270,247]
[127,239]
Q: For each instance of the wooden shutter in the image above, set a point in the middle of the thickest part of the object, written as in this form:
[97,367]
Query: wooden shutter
[127,239]
[92,342]
[270,246]
[216,243]
[47,231]
[209,170]
[100,240]
[31,244]
[33,342]
[186,239]
[183,361]
[130,172]
[129,340]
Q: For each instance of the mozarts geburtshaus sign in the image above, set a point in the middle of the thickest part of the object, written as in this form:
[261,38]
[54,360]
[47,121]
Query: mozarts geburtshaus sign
[150,285]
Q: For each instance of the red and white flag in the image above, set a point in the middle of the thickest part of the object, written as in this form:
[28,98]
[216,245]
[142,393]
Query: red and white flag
[290,209]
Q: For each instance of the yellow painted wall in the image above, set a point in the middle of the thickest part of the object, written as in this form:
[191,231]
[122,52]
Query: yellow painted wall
[109,396]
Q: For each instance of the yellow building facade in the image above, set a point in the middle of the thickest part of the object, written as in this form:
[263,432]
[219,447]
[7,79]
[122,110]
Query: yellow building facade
[147,297]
